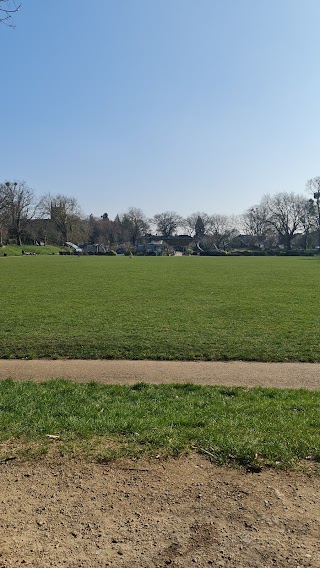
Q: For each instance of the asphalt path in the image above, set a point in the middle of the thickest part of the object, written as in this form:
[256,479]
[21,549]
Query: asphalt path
[234,373]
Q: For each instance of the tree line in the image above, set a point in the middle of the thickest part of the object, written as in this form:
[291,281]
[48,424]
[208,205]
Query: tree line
[281,220]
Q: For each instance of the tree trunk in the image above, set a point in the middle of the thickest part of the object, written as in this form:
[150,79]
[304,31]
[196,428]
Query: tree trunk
[287,240]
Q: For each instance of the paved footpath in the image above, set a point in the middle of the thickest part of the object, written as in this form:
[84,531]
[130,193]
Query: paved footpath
[234,373]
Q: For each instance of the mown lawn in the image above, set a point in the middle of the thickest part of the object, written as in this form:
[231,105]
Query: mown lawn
[230,425]
[160,308]
[16,250]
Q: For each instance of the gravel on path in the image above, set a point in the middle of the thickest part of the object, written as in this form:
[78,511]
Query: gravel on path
[231,373]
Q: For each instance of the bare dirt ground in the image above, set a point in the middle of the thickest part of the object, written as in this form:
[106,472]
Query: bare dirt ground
[186,512]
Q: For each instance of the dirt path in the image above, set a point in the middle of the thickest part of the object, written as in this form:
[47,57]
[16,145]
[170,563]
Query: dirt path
[284,375]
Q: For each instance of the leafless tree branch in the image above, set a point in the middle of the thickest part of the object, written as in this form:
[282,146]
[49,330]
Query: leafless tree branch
[7,9]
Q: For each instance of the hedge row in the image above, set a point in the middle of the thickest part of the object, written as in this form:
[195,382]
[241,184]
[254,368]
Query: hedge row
[261,253]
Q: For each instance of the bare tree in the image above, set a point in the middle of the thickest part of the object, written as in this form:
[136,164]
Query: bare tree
[255,226]
[65,214]
[7,9]
[3,204]
[135,223]
[17,207]
[3,196]
[308,220]
[167,222]
[284,213]
[313,188]
[221,229]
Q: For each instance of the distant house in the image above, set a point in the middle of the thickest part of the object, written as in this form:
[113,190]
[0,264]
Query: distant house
[178,242]
[90,248]
[154,247]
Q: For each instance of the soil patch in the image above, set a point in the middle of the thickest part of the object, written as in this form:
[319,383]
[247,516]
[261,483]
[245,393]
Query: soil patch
[143,514]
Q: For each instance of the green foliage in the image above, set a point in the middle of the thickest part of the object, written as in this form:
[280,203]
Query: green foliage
[232,424]
[160,308]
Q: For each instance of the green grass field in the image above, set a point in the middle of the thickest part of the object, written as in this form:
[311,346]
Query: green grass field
[257,308]
[160,308]
[231,425]
[16,250]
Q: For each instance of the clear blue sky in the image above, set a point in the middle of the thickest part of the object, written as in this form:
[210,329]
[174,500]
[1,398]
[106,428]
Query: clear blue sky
[186,105]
